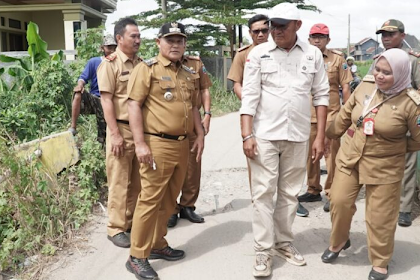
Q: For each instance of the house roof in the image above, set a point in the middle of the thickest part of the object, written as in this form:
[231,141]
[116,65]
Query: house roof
[370,50]
[412,41]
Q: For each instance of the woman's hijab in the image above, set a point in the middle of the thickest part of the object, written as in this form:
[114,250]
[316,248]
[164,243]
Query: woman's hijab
[401,69]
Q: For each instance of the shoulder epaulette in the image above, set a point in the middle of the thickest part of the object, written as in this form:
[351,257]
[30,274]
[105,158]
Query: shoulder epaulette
[189,70]
[337,52]
[243,48]
[149,62]
[414,95]
[111,57]
[413,53]
[376,56]
[369,78]
[193,57]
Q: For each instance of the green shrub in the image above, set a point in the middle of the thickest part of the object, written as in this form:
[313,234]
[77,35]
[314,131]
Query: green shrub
[44,109]
[38,210]
[222,101]
[363,67]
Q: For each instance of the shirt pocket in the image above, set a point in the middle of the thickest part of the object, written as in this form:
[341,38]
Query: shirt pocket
[167,86]
[332,72]
[305,75]
[188,89]
[123,82]
[270,74]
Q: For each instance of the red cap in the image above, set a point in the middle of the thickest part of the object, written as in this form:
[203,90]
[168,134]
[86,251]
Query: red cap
[319,28]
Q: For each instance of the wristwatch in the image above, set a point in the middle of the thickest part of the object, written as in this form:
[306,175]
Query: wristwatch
[207,113]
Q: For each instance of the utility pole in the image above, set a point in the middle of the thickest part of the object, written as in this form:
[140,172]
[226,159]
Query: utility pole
[163,3]
[348,38]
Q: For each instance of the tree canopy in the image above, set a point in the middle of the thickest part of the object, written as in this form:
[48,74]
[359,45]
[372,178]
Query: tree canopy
[217,18]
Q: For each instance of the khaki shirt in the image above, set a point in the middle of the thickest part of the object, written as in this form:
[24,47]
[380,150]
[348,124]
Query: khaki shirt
[113,74]
[236,72]
[338,74]
[203,81]
[277,88]
[380,157]
[149,83]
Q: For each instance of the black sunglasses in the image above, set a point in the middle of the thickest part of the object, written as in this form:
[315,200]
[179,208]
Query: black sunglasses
[257,31]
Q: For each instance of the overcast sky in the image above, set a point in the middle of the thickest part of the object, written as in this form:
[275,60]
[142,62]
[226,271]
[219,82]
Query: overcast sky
[365,17]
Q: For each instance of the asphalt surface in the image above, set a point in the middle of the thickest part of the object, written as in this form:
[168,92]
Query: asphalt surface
[222,247]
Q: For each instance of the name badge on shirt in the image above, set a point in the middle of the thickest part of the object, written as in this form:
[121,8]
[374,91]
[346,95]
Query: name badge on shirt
[368,126]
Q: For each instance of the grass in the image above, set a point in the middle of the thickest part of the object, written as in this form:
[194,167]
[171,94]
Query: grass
[363,67]
[222,101]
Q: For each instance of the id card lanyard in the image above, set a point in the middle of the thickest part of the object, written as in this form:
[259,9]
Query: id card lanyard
[367,109]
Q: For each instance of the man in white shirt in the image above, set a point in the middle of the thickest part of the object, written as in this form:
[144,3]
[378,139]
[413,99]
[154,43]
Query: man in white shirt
[279,78]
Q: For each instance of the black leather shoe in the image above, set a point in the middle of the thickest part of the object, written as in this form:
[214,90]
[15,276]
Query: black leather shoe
[141,268]
[120,240]
[327,206]
[189,214]
[167,253]
[374,275]
[404,219]
[308,197]
[329,256]
[173,220]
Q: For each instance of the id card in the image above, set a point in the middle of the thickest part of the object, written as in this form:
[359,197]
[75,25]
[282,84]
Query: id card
[368,126]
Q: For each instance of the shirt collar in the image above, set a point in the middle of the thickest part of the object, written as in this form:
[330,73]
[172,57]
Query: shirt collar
[164,60]
[300,43]
[326,53]
[124,57]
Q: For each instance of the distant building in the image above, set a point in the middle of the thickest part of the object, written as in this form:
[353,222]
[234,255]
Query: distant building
[366,49]
[411,42]
[57,21]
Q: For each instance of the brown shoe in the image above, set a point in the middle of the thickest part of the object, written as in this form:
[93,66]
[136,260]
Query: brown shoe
[120,240]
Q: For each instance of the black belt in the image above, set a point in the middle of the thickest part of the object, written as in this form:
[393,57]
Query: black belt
[123,121]
[167,136]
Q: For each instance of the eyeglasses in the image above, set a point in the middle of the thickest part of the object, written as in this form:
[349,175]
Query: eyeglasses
[257,31]
[279,27]
[318,36]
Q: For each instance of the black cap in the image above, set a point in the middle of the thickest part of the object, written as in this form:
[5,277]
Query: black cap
[173,28]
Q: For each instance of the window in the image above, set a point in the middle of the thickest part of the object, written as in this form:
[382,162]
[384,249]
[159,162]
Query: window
[15,23]
[4,42]
[3,21]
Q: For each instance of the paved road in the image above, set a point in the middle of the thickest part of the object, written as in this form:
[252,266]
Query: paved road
[221,248]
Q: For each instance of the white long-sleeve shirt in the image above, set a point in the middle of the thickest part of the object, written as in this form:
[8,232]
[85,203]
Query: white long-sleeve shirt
[276,90]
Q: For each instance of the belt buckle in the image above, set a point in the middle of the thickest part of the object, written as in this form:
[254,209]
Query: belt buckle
[180,138]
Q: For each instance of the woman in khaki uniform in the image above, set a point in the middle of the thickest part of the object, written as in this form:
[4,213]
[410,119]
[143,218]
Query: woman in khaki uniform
[375,121]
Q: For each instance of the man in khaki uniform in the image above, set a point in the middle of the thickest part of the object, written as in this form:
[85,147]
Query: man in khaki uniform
[163,114]
[258,30]
[191,187]
[393,35]
[338,75]
[121,163]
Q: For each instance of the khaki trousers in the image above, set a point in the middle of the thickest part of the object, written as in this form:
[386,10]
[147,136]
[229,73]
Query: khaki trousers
[382,204]
[123,183]
[160,189]
[409,183]
[191,186]
[279,168]
[314,169]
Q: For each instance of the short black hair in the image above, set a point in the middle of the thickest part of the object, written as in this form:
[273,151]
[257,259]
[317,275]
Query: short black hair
[119,28]
[256,18]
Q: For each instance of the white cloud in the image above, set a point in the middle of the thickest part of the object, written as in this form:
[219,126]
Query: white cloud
[366,16]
